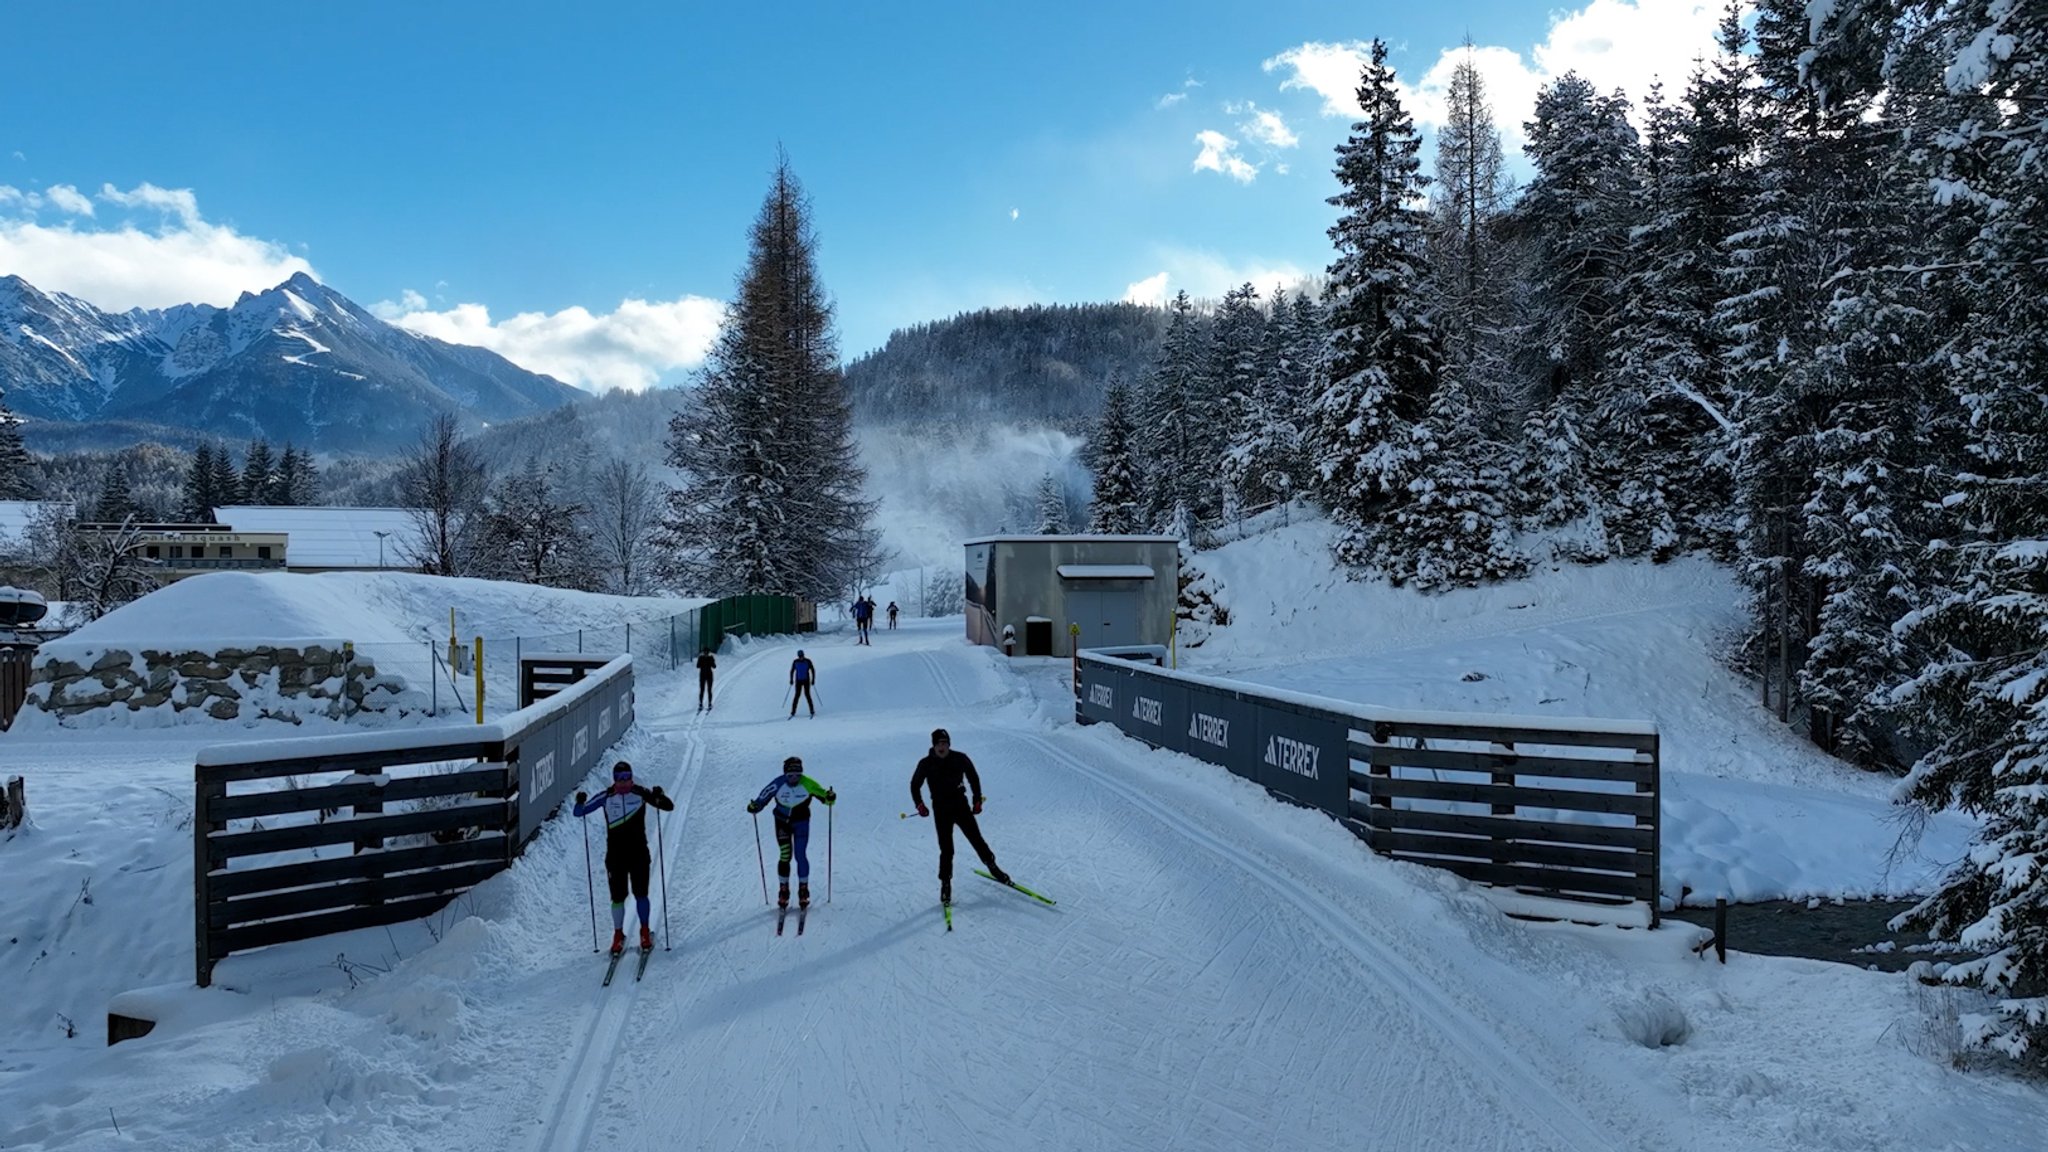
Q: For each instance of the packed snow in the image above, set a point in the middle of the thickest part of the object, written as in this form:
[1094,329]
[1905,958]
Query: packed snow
[1222,971]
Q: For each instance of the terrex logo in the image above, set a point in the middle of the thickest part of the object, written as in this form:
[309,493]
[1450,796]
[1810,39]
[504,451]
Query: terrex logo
[1209,729]
[543,774]
[582,744]
[1101,696]
[1147,711]
[1293,756]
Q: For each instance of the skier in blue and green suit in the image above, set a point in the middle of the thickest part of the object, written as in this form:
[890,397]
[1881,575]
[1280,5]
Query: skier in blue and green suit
[792,793]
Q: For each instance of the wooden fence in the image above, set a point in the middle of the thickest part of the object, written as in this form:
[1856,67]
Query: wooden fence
[1550,807]
[14,669]
[257,883]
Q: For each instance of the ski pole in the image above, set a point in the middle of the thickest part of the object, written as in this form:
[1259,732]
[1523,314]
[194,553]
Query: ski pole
[828,854]
[786,696]
[589,883]
[759,858]
[661,849]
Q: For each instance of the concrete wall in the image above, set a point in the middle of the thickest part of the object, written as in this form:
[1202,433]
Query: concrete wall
[1026,582]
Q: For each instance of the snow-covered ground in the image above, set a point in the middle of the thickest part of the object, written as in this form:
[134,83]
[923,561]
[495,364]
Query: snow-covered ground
[1222,971]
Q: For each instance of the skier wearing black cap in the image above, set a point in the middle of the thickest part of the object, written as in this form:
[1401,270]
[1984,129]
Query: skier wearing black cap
[792,792]
[951,775]
[625,846]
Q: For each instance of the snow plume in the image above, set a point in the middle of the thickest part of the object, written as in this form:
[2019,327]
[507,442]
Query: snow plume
[937,492]
[160,252]
[1207,276]
[635,346]
[1622,44]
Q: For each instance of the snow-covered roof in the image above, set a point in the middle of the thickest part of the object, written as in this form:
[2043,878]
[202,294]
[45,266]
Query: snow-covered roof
[1105,571]
[330,537]
[15,516]
[1072,540]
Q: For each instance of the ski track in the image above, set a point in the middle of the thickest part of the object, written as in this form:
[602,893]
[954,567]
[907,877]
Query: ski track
[1464,1031]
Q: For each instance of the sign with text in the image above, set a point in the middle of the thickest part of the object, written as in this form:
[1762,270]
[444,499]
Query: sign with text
[1306,759]
[1222,729]
[1101,689]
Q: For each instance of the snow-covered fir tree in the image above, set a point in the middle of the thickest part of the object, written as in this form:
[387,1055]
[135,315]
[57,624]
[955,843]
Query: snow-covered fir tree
[1383,349]
[1470,197]
[772,497]
[117,502]
[259,474]
[1236,349]
[297,480]
[1454,529]
[1181,435]
[17,468]
[1265,454]
[1112,455]
[225,482]
[199,496]
[1052,506]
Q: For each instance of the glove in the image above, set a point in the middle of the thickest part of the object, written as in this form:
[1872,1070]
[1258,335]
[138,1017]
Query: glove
[582,798]
[831,797]
[923,811]
[753,806]
[657,793]
[977,805]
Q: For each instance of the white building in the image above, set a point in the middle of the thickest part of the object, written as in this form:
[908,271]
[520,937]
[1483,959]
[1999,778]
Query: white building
[17,515]
[332,539]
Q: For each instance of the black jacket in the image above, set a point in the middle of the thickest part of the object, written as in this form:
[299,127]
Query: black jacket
[950,779]
[706,663]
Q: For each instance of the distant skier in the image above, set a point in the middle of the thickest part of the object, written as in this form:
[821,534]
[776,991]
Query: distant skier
[892,614]
[625,846]
[802,674]
[705,663]
[951,774]
[791,793]
[863,617]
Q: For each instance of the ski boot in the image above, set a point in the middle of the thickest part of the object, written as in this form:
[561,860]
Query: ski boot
[945,891]
[782,895]
[646,938]
[618,941]
[803,895]
[1000,876]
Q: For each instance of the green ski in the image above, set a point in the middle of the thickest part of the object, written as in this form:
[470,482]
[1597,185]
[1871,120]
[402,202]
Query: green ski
[949,916]
[612,968]
[1019,887]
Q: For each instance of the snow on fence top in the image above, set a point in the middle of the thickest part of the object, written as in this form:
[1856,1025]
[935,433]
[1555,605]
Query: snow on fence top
[1370,713]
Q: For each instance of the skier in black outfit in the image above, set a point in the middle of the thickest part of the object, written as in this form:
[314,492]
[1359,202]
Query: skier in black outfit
[705,663]
[802,674]
[951,775]
[625,846]
[892,614]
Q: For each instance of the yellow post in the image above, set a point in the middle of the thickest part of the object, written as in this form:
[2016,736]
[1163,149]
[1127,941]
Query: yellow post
[453,644]
[479,679]
[1074,650]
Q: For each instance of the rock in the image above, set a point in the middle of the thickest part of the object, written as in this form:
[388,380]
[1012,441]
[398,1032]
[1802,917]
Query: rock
[224,709]
[111,659]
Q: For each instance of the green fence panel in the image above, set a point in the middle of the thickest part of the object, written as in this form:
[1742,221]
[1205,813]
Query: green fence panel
[746,616]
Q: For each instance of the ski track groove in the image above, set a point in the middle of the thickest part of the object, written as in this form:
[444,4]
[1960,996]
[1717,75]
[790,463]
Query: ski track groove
[580,1092]
[1508,1069]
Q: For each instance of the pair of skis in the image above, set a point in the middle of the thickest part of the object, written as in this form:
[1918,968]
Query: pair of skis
[1041,898]
[803,911]
[611,969]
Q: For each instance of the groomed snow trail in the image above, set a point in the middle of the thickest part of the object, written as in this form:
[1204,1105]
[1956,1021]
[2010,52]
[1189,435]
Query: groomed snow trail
[1186,993]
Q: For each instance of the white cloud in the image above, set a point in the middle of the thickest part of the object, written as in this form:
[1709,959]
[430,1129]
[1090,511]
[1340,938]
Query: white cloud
[1151,290]
[176,258]
[20,157]
[1170,99]
[1013,213]
[1622,44]
[1266,127]
[65,198]
[631,347]
[1205,275]
[1219,154]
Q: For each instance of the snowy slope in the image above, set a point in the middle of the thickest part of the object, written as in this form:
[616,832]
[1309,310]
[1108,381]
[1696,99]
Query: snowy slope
[1222,972]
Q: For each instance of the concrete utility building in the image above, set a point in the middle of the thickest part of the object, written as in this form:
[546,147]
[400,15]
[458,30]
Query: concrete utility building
[1119,589]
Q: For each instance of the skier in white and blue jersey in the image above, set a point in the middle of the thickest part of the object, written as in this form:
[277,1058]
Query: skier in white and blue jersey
[791,793]
[625,846]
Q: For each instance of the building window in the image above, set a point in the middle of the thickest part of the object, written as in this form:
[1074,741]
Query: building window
[177,551]
[154,552]
[226,551]
[263,551]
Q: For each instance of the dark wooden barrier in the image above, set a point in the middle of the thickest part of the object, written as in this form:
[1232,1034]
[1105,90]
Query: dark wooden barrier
[14,669]
[544,675]
[256,885]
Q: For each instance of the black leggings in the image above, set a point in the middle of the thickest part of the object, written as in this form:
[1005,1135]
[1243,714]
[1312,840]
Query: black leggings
[945,817]
[632,868]
[803,695]
[703,688]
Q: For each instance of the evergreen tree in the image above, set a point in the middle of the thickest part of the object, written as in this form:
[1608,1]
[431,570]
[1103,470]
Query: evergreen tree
[1052,506]
[260,474]
[297,481]
[1383,351]
[116,503]
[1453,529]
[772,495]
[1120,482]
[199,495]
[17,467]
[226,483]
[1983,697]
[1236,345]
[1265,453]
[1471,196]
[1183,449]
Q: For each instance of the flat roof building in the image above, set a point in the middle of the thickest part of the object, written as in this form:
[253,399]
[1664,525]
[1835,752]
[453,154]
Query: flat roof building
[1119,590]
[333,539]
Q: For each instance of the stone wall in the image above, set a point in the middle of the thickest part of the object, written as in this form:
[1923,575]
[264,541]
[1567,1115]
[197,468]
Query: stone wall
[290,683]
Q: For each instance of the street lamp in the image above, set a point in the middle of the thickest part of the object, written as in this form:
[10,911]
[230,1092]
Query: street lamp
[381,534]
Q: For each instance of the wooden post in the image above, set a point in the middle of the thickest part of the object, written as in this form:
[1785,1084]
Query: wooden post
[479,679]
[204,861]
[14,806]
[1503,775]
[1653,819]
[1720,929]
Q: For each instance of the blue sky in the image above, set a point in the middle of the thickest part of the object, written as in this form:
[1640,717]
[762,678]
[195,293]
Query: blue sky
[571,183]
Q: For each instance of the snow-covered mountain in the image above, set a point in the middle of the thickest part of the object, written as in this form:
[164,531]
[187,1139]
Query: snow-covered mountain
[298,362]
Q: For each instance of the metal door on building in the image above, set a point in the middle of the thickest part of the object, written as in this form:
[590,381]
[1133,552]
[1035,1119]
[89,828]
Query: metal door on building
[1107,616]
